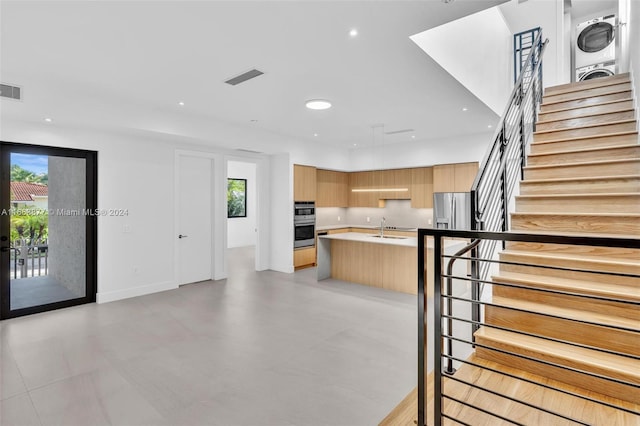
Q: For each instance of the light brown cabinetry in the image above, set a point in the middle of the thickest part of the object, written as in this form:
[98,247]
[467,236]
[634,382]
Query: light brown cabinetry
[332,188]
[363,181]
[304,257]
[422,188]
[454,177]
[304,183]
[395,179]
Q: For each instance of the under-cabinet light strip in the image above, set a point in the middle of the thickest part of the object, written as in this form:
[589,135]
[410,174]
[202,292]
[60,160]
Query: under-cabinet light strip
[381,190]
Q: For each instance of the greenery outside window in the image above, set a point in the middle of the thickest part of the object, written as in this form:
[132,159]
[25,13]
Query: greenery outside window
[237,197]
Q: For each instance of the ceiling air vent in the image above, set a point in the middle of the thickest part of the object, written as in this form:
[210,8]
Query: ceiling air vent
[397,132]
[248,150]
[244,77]
[11,92]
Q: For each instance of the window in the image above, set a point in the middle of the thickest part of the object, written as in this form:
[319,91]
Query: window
[237,198]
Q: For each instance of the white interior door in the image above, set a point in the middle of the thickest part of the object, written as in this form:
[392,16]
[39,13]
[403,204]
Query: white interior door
[195,219]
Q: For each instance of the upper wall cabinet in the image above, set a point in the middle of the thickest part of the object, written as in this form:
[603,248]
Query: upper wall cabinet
[454,177]
[360,186]
[304,183]
[422,188]
[333,189]
[399,179]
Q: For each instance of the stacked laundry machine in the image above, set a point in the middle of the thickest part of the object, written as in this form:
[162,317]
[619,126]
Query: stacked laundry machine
[595,49]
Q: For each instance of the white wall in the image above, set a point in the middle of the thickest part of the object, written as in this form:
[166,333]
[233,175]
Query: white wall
[633,25]
[548,14]
[477,51]
[136,172]
[422,153]
[241,231]
[281,183]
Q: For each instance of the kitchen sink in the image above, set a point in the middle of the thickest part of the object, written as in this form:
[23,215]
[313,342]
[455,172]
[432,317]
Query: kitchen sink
[395,237]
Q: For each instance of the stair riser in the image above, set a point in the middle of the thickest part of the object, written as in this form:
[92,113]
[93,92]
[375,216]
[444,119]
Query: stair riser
[587,84]
[623,310]
[622,168]
[623,226]
[587,93]
[588,204]
[618,153]
[558,260]
[564,329]
[602,186]
[586,111]
[584,132]
[580,103]
[533,270]
[605,387]
[586,121]
[562,249]
[578,144]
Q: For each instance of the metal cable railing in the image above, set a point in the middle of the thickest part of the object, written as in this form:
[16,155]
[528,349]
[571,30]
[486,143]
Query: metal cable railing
[526,315]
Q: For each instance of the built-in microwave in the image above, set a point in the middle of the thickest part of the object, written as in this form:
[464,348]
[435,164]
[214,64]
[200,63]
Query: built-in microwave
[304,210]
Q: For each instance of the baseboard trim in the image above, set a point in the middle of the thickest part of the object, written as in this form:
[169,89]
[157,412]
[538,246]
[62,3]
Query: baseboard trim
[111,296]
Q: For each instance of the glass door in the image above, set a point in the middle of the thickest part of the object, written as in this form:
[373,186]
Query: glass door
[48,231]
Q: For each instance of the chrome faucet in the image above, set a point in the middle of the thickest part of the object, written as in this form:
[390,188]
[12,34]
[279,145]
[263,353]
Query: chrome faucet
[382,227]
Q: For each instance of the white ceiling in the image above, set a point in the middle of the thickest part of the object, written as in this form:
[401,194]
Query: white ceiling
[127,65]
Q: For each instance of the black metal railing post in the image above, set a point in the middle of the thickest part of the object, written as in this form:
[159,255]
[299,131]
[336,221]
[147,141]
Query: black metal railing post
[422,323]
[437,330]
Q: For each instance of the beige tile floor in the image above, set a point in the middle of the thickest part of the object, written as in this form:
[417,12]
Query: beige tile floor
[260,348]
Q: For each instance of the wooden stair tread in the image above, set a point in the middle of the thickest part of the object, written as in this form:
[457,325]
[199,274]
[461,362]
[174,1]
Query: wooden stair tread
[569,313]
[604,289]
[586,106]
[593,114]
[588,149]
[573,195]
[580,214]
[582,85]
[573,179]
[586,93]
[599,259]
[601,135]
[623,366]
[581,163]
[580,233]
[585,126]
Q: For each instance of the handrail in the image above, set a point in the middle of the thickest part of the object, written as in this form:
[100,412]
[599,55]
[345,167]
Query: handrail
[505,159]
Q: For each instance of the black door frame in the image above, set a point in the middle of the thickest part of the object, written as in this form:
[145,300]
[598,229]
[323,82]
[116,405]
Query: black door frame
[91,261]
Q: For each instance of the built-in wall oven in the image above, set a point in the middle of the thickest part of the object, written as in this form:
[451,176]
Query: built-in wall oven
[304,224]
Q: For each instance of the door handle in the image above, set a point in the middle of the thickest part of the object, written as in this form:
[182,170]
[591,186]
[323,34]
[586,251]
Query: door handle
[182,236]
[5,249]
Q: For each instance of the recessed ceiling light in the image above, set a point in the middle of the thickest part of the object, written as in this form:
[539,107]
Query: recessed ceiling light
[489,126]
[413,136]
[318,104]
[48,120]
[353,32]
[315,134]
[181,103]
[355,144]
[465,109]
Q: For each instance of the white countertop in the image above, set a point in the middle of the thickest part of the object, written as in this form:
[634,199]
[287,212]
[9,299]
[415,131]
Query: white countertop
[370,238]
[330,227]
[403,241]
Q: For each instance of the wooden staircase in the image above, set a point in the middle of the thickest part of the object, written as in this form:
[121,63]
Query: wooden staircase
[582,178]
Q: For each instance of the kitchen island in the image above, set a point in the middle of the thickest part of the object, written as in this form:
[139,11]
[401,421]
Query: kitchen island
[390,262]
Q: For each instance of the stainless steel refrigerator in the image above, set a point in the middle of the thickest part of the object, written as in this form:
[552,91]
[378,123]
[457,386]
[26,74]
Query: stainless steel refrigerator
[451,210]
